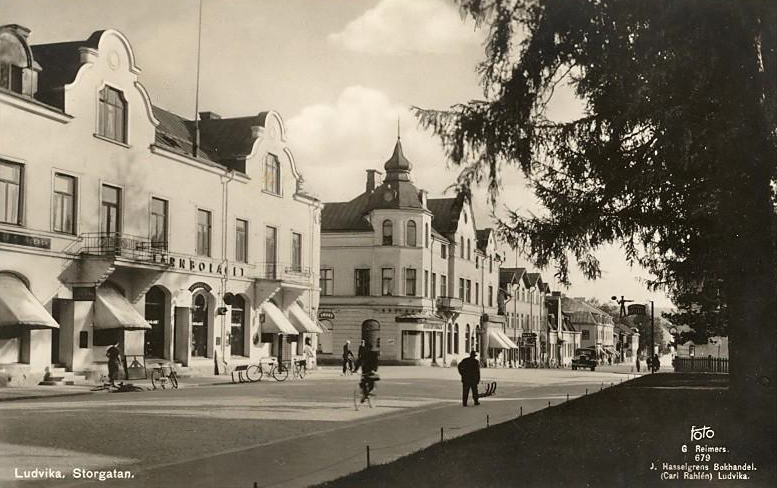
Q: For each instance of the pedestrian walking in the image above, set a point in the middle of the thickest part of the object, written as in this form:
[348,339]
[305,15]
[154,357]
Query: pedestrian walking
[114,363]
[656,363]
[360,356]
[309,353]
[347,357]
[637,364]
[469,369]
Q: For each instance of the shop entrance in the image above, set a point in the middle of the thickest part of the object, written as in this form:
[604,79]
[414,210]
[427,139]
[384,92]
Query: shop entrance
[56,314]
[237,335]
[200,326]
[155,315]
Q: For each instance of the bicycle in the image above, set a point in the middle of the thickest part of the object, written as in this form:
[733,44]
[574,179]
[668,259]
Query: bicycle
[300,368]
[163,373]
[365,391]
[280,372]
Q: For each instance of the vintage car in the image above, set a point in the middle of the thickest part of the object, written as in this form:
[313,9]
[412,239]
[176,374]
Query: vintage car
[585,358]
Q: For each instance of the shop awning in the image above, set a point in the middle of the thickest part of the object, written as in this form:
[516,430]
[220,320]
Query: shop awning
[302,321]
[495,340]
[275,322]
[113,311]
[18,306]
[507,340]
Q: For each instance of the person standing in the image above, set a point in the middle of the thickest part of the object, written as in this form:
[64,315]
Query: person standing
[347,357]
[114,363]
[656,364]
[310,354]
[469,369]
[360,355]
[637,363]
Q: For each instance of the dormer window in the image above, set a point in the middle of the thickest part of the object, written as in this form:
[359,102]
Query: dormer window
[272,174]
[13,61]
[112,122]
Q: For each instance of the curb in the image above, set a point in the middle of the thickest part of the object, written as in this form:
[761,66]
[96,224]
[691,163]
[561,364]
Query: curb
[55,395]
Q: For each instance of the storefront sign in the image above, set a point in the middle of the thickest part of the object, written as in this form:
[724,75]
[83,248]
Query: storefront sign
[84,293]
[23,240]
[637,309]
[326,315]
[529,335]
[193,265]
[432,326]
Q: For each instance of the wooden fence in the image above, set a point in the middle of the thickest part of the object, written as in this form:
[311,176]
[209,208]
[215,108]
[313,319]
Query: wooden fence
[705,365]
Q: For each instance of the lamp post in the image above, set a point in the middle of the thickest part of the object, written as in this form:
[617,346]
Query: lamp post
[652,336]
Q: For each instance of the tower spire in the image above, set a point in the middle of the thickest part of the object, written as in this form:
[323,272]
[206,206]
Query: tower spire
[398,136]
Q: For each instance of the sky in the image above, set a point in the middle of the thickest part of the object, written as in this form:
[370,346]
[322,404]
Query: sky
[342,74]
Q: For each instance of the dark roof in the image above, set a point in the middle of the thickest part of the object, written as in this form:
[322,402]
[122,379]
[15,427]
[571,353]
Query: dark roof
[482,237]
[59,64]
[533,278]
[346,216]
[510,275]
[397,161]
[446,213]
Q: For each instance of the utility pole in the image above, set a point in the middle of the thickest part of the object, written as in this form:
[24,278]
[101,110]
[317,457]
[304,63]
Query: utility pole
[652,336]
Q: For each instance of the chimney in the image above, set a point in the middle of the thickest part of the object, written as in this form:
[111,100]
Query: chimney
[373,179]
[209,116]
[423,195]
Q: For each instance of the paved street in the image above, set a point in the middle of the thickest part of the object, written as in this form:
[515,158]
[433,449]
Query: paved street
[276,434]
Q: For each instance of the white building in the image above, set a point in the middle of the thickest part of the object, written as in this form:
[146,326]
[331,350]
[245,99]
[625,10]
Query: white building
[121,221]
[415,264]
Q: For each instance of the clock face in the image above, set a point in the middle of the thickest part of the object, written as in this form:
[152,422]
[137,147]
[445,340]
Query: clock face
[388,196]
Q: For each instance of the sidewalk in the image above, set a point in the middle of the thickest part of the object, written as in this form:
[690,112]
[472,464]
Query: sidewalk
[622,436]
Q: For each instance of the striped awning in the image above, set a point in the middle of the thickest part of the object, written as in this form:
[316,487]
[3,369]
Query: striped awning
[275,322]
[113,311]
[302,321]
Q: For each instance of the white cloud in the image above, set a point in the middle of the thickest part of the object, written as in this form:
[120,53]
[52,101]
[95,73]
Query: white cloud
[407,27]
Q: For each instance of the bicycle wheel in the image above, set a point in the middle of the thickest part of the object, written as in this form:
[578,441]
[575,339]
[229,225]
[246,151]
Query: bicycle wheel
[280,372]
[173,380]
[156,378]
[302,370]
[254,373]
[372,397]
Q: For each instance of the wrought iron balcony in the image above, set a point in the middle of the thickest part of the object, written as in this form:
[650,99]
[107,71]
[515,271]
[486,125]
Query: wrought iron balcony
[449,304]
[121,245]
[293,273]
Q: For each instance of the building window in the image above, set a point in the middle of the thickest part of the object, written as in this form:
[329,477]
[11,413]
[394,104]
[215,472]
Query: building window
[477,293]
[10,193]
[490,264]
[443,285]
[388,233]
[410,238]
[13,62]
[477,262]
[387,281]
[434,285]
[461,288]
[426,235]
[326,281]
[64,203]
[450,338]
[490,295]
[203,232]
[270,250]
[110,208]
[157,227]
[362,282]
[241,241]
[443,251]
[461,247]
[272,174]
[467,332]
[585,335]
[412,344]
[296,252]
[410,277]
[426,283]
[468,290]
[469,251]
[113,115]
[456,338]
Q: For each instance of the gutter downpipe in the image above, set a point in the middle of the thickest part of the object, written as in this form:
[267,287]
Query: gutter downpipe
[228,177]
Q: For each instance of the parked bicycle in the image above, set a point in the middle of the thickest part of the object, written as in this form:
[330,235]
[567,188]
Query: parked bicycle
[162,375]
[300,368]
[271,367]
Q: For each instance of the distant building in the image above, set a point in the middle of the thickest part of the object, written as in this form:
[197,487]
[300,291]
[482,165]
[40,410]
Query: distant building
[417,265]
[123,222]
[525,313]
[717,347]
[564,338]
[595,326]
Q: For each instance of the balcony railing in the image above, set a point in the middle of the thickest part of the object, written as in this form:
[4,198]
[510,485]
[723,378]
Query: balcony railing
[293,273]
[121,245]
[449,304]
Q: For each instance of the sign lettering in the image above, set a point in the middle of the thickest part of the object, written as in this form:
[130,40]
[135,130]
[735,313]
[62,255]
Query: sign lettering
[326,315]
[637,309]
[23,240]
[189,264]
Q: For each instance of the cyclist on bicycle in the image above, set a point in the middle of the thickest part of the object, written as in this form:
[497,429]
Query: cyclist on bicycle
[369,372]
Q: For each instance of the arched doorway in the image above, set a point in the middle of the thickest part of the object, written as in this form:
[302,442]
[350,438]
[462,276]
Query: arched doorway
[154,346]
[237,334]
[200,325]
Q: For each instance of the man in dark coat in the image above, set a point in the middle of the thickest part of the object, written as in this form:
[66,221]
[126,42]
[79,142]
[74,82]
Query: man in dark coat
[469,369]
